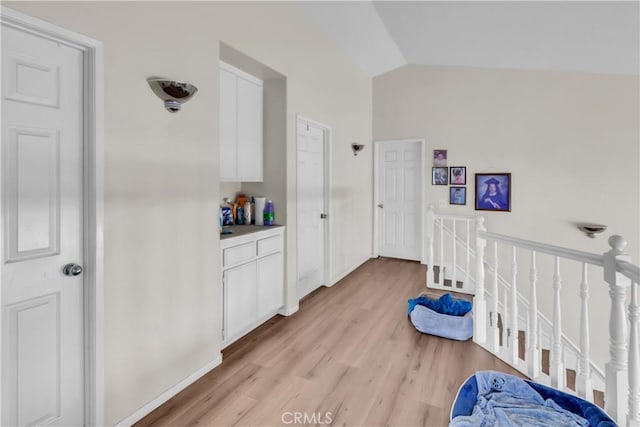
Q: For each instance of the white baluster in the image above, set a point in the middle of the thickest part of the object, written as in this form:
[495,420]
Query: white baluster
[454,264]
[633,417]
[441,275]
[533,351]
[467,284]
[616,381]
[430,238]
[479,301]
[584,385]
[505,319]
[557,367]
[496,300]
[515,359]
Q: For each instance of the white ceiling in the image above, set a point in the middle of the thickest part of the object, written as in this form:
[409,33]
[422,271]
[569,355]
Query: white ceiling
[583,36]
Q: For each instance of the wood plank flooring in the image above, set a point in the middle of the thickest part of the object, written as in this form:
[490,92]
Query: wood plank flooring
[350,351]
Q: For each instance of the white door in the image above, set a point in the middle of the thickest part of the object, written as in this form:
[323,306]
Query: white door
[240,299]
[399,189]
[270,284]
[42,186]
[311,207]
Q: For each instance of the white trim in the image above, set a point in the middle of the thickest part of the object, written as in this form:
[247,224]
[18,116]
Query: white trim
[164,397]
[423,166]
[288,311]
[93,55]
[350,270]
[327,133]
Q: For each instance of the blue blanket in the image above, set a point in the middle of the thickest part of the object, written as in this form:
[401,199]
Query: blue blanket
[504,400]
[446,304]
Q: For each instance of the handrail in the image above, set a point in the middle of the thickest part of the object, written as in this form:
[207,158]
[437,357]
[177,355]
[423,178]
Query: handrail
[630,270]
[454,216]
[572,254]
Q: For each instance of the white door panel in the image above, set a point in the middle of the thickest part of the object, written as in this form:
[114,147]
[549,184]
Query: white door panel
[311,195]
[399,188]
[42,176]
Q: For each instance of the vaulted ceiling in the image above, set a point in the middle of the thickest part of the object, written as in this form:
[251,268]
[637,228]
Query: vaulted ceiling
[582,36]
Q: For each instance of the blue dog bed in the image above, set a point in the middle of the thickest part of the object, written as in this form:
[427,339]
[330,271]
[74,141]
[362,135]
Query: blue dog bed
[517,399]
[446,317]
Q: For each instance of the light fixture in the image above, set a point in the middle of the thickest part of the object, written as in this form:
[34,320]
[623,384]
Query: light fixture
[592,229]
[173,93]
[356,148]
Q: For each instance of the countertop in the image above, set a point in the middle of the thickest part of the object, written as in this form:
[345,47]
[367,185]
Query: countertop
[243,230]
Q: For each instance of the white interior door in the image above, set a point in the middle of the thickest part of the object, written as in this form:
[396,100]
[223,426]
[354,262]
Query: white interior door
[42,186]
[311,207]
[399,189]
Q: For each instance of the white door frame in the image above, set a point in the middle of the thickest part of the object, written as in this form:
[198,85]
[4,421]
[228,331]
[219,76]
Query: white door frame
[93,195]
[423,175]
[326,273]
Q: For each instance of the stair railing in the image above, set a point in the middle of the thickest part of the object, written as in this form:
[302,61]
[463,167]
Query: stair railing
[622,372]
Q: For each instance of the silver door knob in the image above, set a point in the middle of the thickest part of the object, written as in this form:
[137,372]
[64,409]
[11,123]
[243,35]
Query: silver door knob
[380,205]
[72,269]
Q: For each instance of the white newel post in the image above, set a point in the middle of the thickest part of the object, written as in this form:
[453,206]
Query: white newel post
[558,374]
[616,386]
[479,300]
[430,254]
[514,337]
[533,352]
[494,301]
[633,416]
[584,383]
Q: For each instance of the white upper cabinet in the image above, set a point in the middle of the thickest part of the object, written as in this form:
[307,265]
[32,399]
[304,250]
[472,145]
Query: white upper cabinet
[241,144]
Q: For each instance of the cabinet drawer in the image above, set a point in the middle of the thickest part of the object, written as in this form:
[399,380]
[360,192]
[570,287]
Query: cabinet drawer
[238,254]
[269,244]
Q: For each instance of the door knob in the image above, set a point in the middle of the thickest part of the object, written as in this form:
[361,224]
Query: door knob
[380,205]
[323,216]
[72,269]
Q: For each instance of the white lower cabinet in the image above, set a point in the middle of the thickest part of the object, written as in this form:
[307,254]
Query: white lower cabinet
[252,281]
[270,280]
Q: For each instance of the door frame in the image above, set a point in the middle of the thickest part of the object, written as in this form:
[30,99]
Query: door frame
[327,135]
[376,180]
[93,203]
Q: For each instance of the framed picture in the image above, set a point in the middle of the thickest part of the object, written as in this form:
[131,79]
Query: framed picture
[440,176]
[458,175]
[457,195]
[439,158]
[493,192]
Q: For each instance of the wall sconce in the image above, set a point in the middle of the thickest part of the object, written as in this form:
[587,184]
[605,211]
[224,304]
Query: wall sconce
[172,92]
[356,148]
[592,229]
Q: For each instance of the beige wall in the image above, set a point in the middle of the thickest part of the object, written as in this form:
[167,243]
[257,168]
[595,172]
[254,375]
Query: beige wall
[570,140]
[162,287]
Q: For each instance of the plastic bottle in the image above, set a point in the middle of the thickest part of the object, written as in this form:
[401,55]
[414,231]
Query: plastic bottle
[269,213]
[240,217]
[247,213]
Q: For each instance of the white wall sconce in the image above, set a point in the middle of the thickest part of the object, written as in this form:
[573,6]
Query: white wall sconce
[172,92]
[356,148]
[592,229]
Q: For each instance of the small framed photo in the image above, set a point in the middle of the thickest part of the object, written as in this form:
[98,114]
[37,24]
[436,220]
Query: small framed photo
[457,195]
[458,175]
[439,158]
[440,176]
[493,192]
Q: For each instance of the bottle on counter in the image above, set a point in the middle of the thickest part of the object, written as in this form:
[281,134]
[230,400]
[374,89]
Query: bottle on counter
[240,215]
[269,213]
[247,213]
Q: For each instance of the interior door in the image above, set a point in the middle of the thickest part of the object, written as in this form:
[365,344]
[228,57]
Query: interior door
[42,223]
[398,182]
[311,205]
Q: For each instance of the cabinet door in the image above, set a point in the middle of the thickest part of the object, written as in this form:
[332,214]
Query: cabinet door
[249,130]
[270,284]
[240,299]
[228,126]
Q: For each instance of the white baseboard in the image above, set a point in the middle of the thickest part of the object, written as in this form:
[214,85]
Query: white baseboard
[349,270]
[288,311]
[155,403]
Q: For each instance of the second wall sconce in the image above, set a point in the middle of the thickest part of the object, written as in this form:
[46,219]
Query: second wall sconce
[356,148]
[172,92]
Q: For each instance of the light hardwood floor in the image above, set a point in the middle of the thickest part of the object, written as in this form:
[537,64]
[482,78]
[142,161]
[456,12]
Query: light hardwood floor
[350,350]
